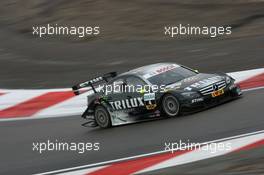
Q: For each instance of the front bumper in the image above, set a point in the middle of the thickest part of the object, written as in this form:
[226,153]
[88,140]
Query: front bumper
[231,92]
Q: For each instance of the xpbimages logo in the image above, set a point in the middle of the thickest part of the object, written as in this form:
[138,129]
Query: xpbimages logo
[121,87]
[80,31]
[212,31]
[80,147]
[187,146]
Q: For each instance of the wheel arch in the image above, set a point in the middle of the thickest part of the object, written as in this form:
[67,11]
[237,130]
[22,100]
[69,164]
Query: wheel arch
[107,110]
[173,93]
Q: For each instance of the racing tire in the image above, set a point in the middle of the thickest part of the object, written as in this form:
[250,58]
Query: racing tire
[170,105]
[102,117]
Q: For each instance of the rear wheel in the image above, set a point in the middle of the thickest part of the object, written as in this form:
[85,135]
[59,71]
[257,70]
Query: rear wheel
[170,105]
[102,117]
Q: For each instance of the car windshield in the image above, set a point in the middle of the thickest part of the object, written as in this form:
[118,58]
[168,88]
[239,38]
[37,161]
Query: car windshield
[171,76]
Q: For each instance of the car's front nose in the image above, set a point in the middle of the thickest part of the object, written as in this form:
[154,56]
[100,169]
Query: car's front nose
[212,95]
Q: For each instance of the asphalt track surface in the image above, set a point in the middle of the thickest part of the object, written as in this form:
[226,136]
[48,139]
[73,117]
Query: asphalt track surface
[32,66]
[237,117]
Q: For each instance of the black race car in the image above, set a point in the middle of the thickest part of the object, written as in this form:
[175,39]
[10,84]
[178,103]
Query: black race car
[153,91]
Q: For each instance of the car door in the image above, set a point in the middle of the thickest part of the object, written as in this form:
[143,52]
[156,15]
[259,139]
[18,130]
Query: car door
[115,94]
[118,101]
[135,93]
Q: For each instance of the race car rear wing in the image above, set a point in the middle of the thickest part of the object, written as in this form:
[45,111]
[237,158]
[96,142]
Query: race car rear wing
[91,83]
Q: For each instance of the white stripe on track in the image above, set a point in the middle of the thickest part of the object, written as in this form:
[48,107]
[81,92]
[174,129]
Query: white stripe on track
[72,106]
[13,98]
[64,109]
[244,75]
[203,153]
[76,105]
[100,164]
[82,172]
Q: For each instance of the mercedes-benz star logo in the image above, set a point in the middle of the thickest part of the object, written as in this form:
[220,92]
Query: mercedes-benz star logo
[215,87]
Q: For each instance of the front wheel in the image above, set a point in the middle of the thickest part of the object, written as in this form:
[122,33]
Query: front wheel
[102,117]
[170,105]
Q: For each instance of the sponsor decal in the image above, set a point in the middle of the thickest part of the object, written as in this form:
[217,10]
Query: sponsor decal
[176,85]
[218,93]
[127,103]
[196,100]
[205,82]
[165,69]
[189,79]
[188,89]
[161,70]
[95,80]
[149,96]
[150,101]
[151,106]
